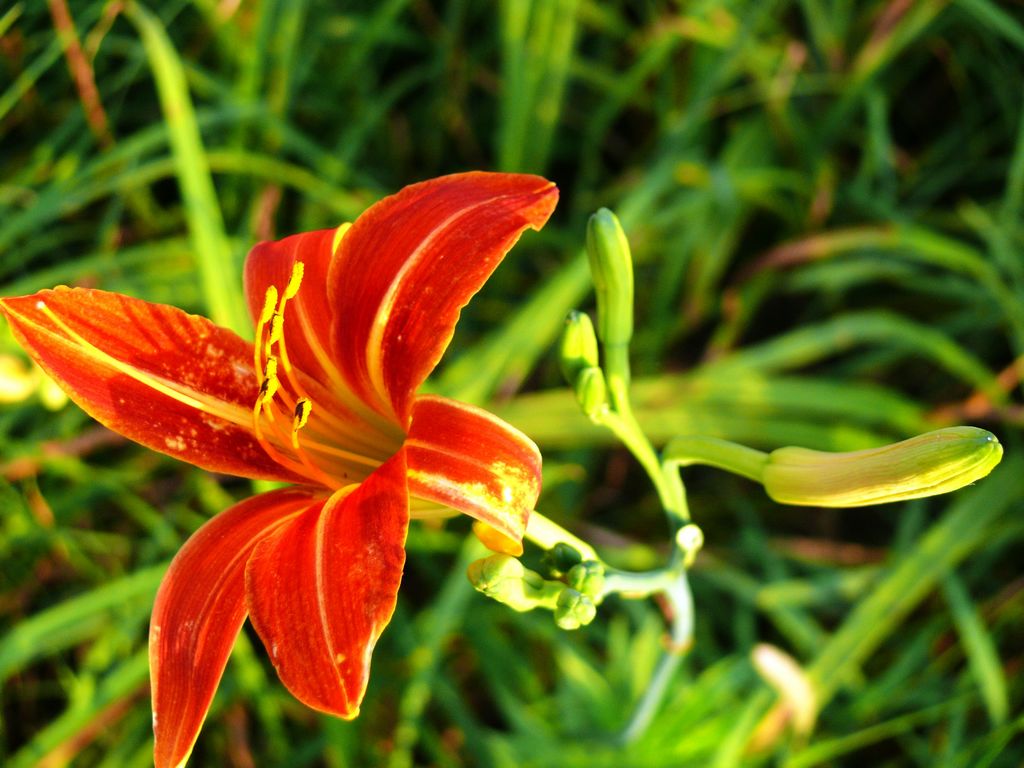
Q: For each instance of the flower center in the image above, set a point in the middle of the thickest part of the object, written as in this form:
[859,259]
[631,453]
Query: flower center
[293,432]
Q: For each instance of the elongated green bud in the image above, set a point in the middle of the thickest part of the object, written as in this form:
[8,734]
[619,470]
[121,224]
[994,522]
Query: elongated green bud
[611,266]
[929,464]
[578,349]
[592,392]
[503,578]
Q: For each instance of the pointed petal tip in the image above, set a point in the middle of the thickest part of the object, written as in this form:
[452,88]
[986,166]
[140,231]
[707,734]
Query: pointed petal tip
[322,589]
[172,381]
[198,612]
[410,263]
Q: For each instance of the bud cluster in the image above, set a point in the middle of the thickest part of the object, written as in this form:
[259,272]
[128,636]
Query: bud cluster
[573,600]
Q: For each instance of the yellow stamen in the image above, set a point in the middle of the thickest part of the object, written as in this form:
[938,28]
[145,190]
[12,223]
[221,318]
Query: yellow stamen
[276,329]
[355,458]
[302,411]
[269,302]
[282,381]
[301,415]
[277,337]
[298,269]
[269,447]
[307,466]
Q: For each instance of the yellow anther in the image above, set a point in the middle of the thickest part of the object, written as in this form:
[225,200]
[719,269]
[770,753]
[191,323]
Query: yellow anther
[339,234]
[270,372]
[267,390]
[293,284]
[270,383]
[269,303]
[276,328]
[302,410]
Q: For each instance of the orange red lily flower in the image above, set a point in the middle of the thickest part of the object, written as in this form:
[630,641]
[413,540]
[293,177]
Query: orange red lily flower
[349,323]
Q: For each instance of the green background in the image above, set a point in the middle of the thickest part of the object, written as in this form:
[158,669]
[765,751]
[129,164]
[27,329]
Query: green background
[824,200]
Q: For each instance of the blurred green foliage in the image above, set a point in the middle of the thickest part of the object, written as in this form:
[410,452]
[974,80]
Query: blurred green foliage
[824,199]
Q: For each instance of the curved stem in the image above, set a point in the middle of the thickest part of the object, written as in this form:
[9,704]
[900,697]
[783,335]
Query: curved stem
[546,533]
[711,451]
[669,485]
[639,584]
[680,601]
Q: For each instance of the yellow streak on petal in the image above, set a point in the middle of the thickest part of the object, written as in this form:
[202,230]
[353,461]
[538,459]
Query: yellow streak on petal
[339,235]
[374,343]
[515,490]
[172,389]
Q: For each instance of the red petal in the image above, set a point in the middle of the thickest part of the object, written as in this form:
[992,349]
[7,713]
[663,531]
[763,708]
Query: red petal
[321,590]
[199,609]
[472,461]
[308,318]
[174,382]
[309,315]
[408,266]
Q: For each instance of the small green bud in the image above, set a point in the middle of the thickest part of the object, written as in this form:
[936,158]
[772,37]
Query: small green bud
[578,348]
[503,578]
[573,610]
[611,266]
[561,558]
[587,577]
[592,393]
[929,464]
[689,539]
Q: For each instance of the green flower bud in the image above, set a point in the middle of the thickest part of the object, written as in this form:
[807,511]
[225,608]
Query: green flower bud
[611,266]
[503,578]
[592,393]
[561,558]
[689,539]
[578,349]
[929,464]
[587,577]
[573,610]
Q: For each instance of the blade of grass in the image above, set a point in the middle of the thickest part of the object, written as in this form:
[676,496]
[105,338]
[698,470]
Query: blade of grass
[219,273]
[70,622]
[537,48]
[125,682]
[438,624]
[812,343]
[965,526]
[996,19]
[833,749]
[982,656]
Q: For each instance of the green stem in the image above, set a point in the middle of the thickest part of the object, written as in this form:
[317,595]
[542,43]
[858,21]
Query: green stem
[623,423]
[669,485]
[616,371]
[545,533]
[639,584]
[680,601]
[711,451]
